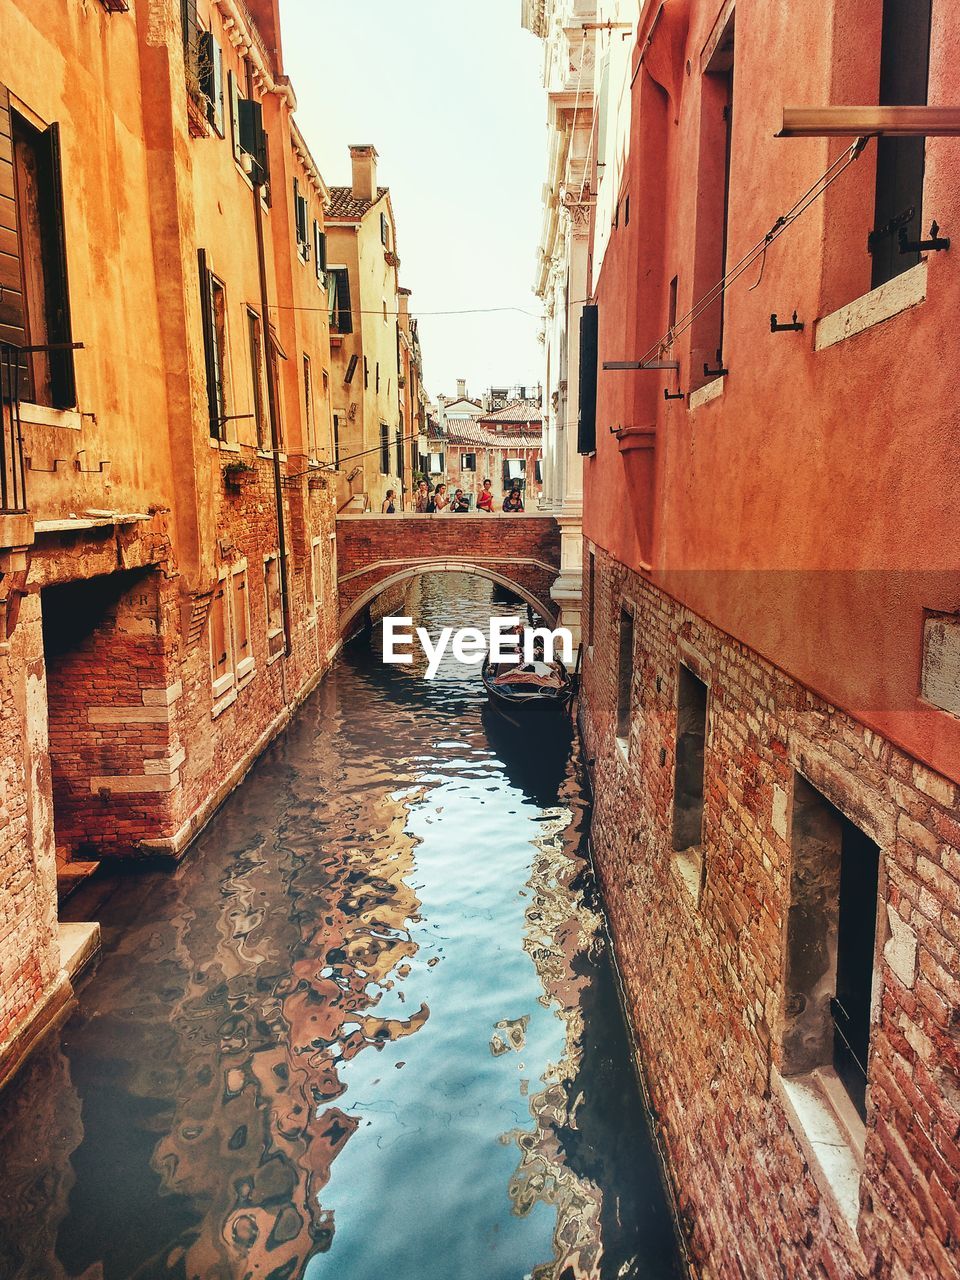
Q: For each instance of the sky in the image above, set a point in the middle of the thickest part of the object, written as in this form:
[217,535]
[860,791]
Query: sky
[450,93]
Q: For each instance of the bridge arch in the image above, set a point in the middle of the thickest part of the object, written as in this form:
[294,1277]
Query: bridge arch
[376,552]
[422,567]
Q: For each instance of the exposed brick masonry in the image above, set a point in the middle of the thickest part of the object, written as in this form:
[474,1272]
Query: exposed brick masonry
[705,983]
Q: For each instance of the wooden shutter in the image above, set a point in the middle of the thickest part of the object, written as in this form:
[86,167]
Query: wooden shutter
[904,75]
[589,356]
[506,473]
[235,101]
[12,318]
[209,344]
[59,326]
[345,309]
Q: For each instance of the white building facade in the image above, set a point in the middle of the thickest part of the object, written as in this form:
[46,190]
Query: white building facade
[569,31]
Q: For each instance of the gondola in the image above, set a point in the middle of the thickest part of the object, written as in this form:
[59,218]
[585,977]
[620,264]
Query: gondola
[538,689]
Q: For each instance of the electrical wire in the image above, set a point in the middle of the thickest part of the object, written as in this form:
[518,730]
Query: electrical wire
[809,197]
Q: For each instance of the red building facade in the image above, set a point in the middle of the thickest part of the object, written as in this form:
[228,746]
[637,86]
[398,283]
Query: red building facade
[772,629]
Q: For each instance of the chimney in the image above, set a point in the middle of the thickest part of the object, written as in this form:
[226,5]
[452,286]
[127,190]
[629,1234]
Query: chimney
[364,185]
[461,388]
[403,307]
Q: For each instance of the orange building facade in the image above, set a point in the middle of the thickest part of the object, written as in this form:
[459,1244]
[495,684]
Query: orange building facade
[772,623]
[167,536]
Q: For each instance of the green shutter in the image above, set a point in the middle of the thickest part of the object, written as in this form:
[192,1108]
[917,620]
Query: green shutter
[234,92]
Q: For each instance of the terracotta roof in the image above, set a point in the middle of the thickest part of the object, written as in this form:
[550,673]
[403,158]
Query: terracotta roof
[466,431]
[344,204]
[520,412]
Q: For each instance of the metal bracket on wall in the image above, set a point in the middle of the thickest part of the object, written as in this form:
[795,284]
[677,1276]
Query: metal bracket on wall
[936,244]
[674,395]
[719,371]
[45,470]
[796,326]
[89,471]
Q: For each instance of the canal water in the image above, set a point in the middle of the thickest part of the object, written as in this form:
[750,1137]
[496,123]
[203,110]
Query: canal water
[368,1030]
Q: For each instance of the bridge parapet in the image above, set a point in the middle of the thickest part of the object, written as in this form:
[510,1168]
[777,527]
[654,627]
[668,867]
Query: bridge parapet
[375,552]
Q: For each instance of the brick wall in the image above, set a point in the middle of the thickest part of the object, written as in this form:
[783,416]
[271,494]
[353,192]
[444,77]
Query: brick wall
[705,982]
[29,956]
[524,549]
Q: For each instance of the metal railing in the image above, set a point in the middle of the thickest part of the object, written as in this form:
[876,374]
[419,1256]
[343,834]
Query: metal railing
[13,490]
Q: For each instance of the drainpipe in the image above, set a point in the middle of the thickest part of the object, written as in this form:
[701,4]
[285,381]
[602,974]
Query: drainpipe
[272,406]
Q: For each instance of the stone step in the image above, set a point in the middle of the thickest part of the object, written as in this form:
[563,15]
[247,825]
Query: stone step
[71,875]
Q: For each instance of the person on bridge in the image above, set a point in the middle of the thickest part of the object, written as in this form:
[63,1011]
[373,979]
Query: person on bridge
[461,503]
[389,506]
[485,497]
[439,502]
[421,498]
[513,500]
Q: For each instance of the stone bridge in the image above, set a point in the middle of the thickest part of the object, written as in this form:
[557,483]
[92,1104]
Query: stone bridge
[377,552]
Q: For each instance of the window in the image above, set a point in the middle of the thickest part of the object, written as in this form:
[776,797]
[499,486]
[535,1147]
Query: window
[625,678]
[338,300]
[591,595]
[275,356]
[672,304]
[351,369]
[300,213]
[249,139]
[308,408]
[315,583]
[514,473]
[436,464]
[538,470]
[400,467]
[255,337]
[589,358]
[221,645]
[385,232]
[366,374]
[713,203]
[904,73]
[210,68]
[468,462]
[320,254]
[274,598]
[688,793]
[336,440]
[384,449]
[242,647]
[378,375]
[831,940]
[213,302]
[39,258]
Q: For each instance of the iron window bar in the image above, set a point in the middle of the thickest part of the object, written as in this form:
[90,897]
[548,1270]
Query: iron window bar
[13,491]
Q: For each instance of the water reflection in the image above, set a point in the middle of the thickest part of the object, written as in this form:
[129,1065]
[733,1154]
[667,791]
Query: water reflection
[367,1029]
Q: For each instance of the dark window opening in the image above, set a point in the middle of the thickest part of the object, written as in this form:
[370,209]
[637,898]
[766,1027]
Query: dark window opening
[468,461]
[319,251]
[213,303]
[255,334]
[336,440]
[831,943]
[688,796]
[351,369]
[672,304]
[300,213]
[384,449]
[713,204]
[904,75]
[625,676]
[44,310]
[338,301]
[211,82]
[400,468]
[589,357]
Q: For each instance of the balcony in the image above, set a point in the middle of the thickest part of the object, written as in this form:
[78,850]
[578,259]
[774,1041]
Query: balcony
[16,525]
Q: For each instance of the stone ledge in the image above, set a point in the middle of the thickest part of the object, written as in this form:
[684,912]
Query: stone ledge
[54,1009]
[165,764]
[703,395]
[136,784]
[79,947]
[889,300]
[129,715]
